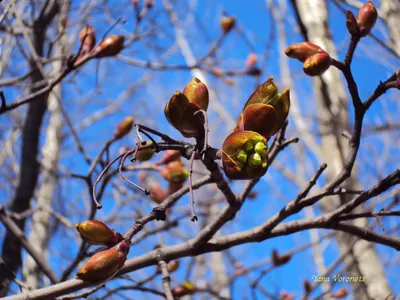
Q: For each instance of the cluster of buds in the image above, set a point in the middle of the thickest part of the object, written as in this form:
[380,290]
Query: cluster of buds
[183,109]
[279,260]
[123,128]
[245,152]
[104,265]
[315,60]
[110,46]
[227,24]
[186,288]
[97,233]
[365,21]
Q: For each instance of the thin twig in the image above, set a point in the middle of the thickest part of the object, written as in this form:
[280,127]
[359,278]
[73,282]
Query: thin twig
[192,212]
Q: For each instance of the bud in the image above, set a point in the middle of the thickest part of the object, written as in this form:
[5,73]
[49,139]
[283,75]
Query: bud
[123,128]
[280,260]
[175,172]
[227,24]
[229,82]
[98,233]
[366,18]
[239,159]
[217,72]
[157,192]
[265,111]
[251,61]
[87,36]
[110,46]
[307,286]
[341,293]
[173,265]
[187,288]
[169,156]
[351,23]
[174,187]
[149,3]
[145,154]
[197,92]
[105,264]
[317,64]
[181,114]
[286,296]
[302,51]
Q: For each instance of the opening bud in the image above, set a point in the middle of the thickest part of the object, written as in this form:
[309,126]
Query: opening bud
[87,36]
[123,128]
[197,92]
[175,172]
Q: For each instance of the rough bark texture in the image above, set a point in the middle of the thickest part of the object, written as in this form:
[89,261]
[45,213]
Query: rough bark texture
[40,233]
[30,145]
[332,104]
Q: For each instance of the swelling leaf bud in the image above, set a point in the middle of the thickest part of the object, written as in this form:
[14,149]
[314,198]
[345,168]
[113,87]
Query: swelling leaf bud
[123,128]
[110,46]
[105,264]
[366,18]
[302,51]
[197,92]
[317,64]
[175,172]
[97,233]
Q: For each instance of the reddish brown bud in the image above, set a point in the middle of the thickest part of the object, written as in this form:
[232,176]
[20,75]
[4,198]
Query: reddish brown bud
[227,24]
[286,296]
[98,233]
[173,265]
[197,92]
[174,187]
[169,156]
[352,24]
[280,260]
[175,172]
[110,46]
[341,293]
[149,3]
[105,264]
[302,51]
[317,64]
[366,17]
[157,192]
[123,128]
